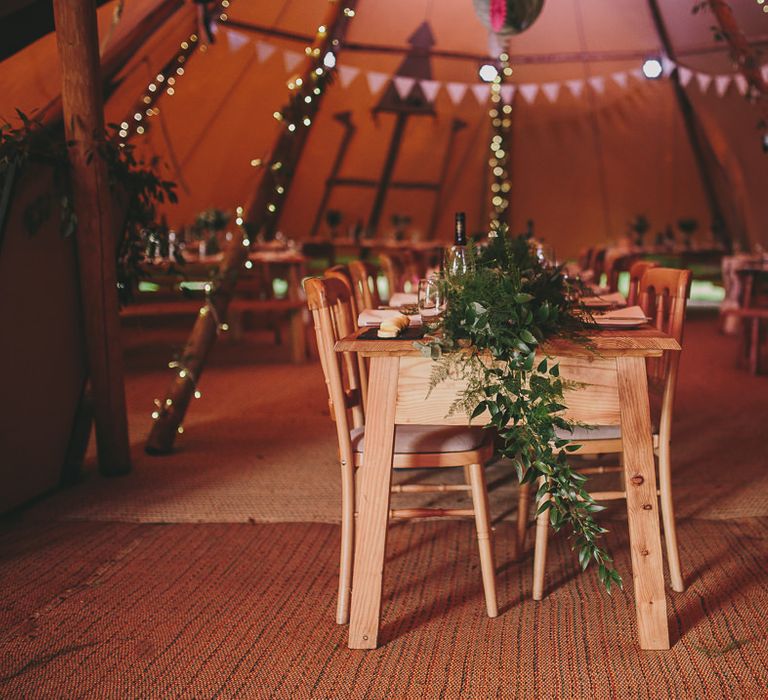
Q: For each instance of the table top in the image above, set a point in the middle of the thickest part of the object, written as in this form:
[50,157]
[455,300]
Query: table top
[645,341]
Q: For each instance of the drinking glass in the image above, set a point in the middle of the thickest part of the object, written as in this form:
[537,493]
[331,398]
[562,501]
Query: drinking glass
[432,302]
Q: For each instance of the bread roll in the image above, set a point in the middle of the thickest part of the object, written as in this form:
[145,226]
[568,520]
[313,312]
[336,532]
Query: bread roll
[392,327]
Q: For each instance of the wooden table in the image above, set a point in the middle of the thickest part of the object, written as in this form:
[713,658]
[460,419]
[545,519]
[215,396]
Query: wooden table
[614,391]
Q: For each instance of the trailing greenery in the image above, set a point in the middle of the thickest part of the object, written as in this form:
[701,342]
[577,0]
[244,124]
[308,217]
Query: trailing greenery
[497,316]
[136,189]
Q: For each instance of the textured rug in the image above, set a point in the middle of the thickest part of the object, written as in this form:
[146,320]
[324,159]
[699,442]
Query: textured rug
[259,445]
[117,610]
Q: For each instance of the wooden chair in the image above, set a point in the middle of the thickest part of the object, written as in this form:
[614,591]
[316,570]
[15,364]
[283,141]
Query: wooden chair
[399,267]
[329,301]
[616,262]
[636,272]
[663,295]
[364,285]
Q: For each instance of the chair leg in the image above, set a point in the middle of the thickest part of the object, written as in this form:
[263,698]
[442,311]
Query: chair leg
[523,504]
[540,551]
[347,542]
[668,517]
[483,527]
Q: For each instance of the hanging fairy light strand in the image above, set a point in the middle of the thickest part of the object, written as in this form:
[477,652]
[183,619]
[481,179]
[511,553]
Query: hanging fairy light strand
[305,92]
[165,83]
[498,161]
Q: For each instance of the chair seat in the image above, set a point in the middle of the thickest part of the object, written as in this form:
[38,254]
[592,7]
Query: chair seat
[418,439]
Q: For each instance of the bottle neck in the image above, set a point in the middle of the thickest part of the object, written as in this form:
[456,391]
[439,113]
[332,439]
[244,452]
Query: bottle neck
[460,230]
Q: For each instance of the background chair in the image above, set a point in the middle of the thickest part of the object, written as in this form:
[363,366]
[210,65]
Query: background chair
[636,272]
[329,300]
[663,293]
[364,285]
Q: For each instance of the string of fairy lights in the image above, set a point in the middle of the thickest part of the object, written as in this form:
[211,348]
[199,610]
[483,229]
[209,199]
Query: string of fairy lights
[297,114]
[498,162]
[165,83]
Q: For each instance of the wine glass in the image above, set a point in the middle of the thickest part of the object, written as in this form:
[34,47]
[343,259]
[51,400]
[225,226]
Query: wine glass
[432,302]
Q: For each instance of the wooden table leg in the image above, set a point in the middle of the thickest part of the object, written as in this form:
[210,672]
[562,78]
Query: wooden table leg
[373,503]
[642,511]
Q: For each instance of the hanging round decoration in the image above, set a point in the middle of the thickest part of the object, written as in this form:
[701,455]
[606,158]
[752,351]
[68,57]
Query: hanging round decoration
[507,17]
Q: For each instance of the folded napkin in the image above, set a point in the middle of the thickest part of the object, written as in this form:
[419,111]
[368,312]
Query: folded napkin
[403,299]
[612,299]
[629,317]
[374,317]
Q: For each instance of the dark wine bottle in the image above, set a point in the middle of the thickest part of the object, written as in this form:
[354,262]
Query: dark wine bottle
[457,257]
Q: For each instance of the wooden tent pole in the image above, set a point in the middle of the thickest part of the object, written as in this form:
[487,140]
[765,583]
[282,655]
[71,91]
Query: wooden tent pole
[456,126]
[77,40]
[345,119]
[386,174]
[696,137]
[266,207]
[172,409]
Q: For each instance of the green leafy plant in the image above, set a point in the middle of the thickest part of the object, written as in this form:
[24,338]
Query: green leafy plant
[135,185]
[497,317]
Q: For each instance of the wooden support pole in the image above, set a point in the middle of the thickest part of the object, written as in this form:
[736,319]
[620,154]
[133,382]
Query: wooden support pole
[210,321]
[345,119]
[264,210]
[696,138]
[172,409]
[386,173]
[77,39]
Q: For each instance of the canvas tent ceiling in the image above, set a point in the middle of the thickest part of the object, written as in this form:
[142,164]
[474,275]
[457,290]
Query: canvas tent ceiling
[581,166]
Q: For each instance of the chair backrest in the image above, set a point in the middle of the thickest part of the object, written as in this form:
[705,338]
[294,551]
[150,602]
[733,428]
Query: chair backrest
[636,272]
[329,300]
[364,286]
[341,273]
[663,295]
[617,260]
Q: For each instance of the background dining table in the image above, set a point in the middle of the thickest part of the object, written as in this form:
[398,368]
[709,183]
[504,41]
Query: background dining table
[611,371]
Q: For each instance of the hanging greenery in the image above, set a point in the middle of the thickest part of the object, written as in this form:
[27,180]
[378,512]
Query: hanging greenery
[136,188]
[497,317]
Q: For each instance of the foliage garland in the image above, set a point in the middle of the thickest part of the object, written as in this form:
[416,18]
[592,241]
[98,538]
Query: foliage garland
[134,184]
[497,316]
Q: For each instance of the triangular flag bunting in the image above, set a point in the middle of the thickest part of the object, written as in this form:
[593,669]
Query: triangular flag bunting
[482,92]
[703,80]
[403,85]
[576,87]
[507,93]
[347,74]
[264,50]
[529,92]
[551,90]
[430,88]
[235,40]
[376,80]
[456,91]
[597,83]
[685,75]
[667,66]
[621,79]
[637,73]
[291,59]
[741,84]
[721,84]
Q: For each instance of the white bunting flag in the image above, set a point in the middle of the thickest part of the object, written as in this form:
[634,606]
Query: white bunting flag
[507,93]
[235,39]
[529,92]
[456,91]
[703,80]
[291,59]
[403,85]
[741,84]
[667,66]
[264,50]
[551,91]
[597,83]
[576,87]
[685,75]
[430,88]
[376,80]
[721,84]
[621,79]
[482,92]
[637,73]
[347,74]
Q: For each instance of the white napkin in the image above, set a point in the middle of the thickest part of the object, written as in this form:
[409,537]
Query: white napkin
[403,299]
[373,317]
[612,299]
[630,317]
